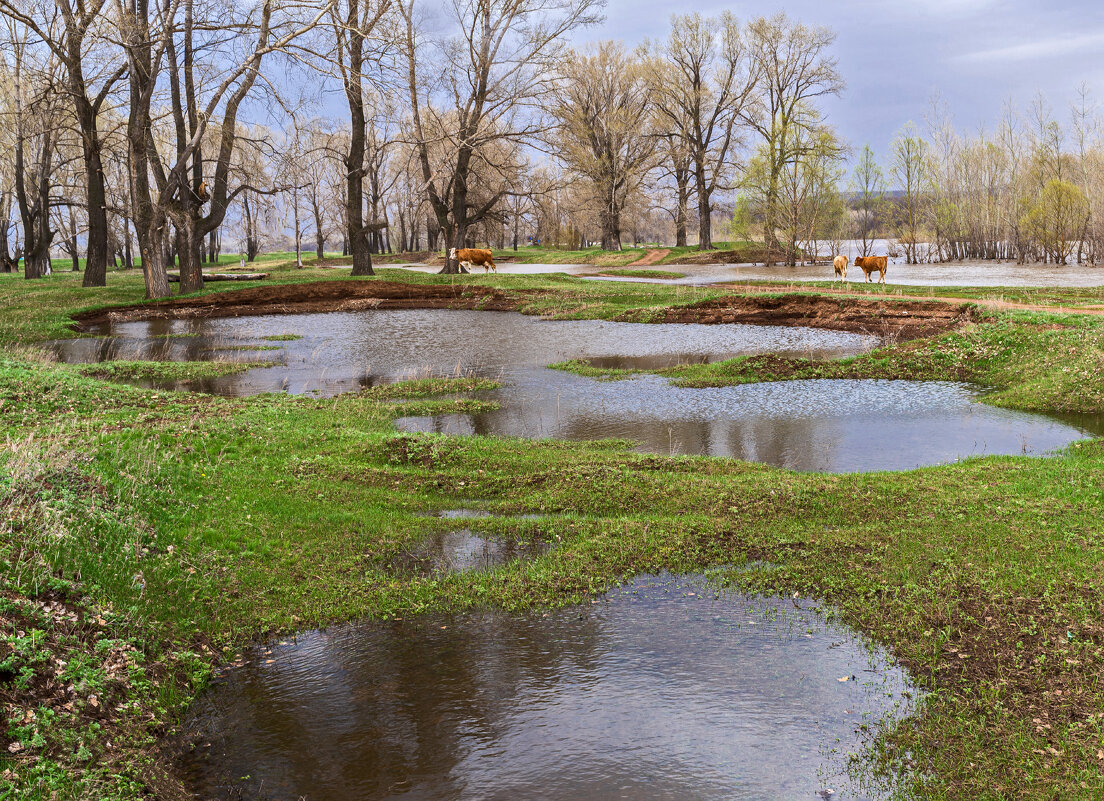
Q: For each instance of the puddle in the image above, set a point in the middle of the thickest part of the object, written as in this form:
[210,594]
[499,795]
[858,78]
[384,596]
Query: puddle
[660,691]
[839,426]
[463,550]
[453,514]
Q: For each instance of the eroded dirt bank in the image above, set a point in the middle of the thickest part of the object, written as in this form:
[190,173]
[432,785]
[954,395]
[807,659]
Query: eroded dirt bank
[884,318]
[881,317]
[318,296]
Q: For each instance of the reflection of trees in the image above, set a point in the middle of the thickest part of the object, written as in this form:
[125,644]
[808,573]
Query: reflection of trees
[380,706]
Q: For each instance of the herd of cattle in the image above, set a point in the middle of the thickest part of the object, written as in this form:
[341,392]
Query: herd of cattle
[482,257]
[869,264]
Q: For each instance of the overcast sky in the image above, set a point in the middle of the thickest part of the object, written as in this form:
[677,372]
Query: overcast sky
[895,54]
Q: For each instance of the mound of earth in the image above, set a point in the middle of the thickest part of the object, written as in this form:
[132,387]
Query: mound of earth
[890,319]
[318,296]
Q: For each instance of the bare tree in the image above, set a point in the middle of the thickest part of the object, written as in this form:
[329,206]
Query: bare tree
[480,89]
[353,24]
[603,112]
[77,32]
[181,191]
[703,80]
[868,188]
[911,169]
[796,71]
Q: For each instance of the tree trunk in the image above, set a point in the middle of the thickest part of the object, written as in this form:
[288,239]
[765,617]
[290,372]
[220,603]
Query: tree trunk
[189,242]
[705,210]
[682,211]
[611,229]
[95,261]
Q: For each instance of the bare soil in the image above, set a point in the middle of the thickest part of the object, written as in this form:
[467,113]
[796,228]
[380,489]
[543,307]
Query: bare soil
[318,296]
[885,318]
[650,258]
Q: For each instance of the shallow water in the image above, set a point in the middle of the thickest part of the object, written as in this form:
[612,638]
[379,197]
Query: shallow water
[661,691]
[462,550]
[1008,274]
[838,426]
[347,351]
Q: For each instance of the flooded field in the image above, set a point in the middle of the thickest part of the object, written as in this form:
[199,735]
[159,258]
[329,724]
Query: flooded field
[666,689]
[838,426]
[1008,274]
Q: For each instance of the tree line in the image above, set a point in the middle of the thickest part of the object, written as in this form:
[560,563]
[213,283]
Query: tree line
[150,131]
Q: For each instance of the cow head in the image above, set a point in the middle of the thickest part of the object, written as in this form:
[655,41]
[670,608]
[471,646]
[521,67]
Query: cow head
[452,253]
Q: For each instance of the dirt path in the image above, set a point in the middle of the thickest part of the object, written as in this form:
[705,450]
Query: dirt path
[989,303]
[650,258]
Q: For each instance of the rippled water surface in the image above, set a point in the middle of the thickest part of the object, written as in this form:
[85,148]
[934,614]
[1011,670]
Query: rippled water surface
[666,689]
[838,425]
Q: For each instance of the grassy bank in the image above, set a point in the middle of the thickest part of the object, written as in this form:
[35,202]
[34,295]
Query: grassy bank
[148,535]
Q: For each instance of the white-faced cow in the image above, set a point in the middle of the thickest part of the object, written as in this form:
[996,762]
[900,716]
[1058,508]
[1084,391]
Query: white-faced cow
[472,257]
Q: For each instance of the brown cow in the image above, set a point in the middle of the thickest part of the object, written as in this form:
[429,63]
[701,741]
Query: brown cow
[840,264]
[470,257]
[872,264]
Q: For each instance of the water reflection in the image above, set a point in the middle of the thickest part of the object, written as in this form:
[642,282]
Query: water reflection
[806,425]
[661,692]
[824,425]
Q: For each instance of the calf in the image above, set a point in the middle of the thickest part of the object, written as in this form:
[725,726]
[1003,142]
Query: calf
[840,264]
[469,257]
[872,264]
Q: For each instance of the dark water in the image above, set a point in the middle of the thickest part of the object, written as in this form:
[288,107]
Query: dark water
[836,426]
[661,691]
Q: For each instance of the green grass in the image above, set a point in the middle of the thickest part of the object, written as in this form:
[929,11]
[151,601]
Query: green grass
[193,524]
[165,371]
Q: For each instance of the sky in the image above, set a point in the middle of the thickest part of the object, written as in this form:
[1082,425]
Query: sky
[896,54]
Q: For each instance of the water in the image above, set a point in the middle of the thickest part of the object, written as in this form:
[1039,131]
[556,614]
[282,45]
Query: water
[462,550]
[659,692]
[838,426]
[1008,274]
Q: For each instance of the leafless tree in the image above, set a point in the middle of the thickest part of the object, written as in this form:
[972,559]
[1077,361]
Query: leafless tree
[479,87]
[703,82]
[603,111]
[796,70]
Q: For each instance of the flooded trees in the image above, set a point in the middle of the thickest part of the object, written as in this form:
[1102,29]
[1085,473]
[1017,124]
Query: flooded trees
[868,190]
[911,168]
[602,109]
[1057,220]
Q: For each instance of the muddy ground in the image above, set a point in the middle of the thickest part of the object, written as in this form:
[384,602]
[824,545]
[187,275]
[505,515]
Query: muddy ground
[885,318]
[882,317]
